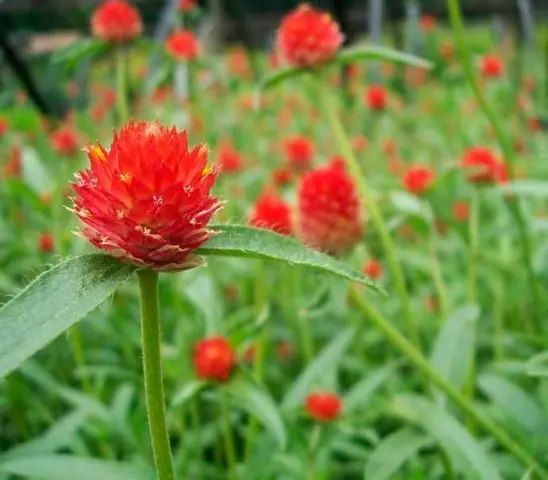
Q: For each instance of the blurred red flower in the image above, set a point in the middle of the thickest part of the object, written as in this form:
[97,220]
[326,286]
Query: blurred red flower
[359,142]
[147,199]
[282,176]
[65,141]
[299,151]
[116,21]
[484,166]
[182,45]
[187,5]
[229,159]
[272,212]
[214,359]
[447,50]
[376,97]
[428,23]
[308,37]
[3,126]
[284,350]
[45,242]
[491,66]
[323,406]
[372,268]
[417,179]
[329,211]
[461,211]
[12,168]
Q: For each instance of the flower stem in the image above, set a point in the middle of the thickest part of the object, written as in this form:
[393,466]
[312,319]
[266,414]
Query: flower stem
[152,368]
[229,441]
[121,85]
[437,276]
[505,144]
[428,371]
[330,112]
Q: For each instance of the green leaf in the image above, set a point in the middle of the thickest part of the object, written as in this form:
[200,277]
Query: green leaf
[327,361]
[187,392]
[411,205]
[53,302]
[466,454]
[35,174]
[526,188]
[67,467]
[362,391]
[392,452]
[537,366]
[77,51]
[355,54]
[242,241]
[454,343]
[260,405]
[515,403]
[279,76]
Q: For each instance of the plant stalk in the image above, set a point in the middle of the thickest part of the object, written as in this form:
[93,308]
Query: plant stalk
[121,85]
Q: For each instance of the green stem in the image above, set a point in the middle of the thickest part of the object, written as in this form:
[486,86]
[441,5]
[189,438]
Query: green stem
[77,348]
[229,441]
[312,452]
[428,371]
[498,321]
[152,368]
[437,276]
[307,343]
[121,85]
[473,244]
[505,144]
[330,112]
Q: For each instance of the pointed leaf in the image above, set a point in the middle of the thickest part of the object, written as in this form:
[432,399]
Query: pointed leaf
[53,302]
[537,366]
[77,51]
[242,241]
[370,52]
[279,76]
[187,392]
[35,174]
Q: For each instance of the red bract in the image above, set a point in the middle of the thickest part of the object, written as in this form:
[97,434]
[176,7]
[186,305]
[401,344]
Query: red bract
[214,359]
[187,5]
[45,242]
[491,66]
[147,199]
[376,97]
[182,45]
[229,159]
[282,176]
[273,213]
[116,21]
[418,179]
[484,166]
[329,217]
[372,268]
[308,37]
[65,141]
[323,406]
[299,151]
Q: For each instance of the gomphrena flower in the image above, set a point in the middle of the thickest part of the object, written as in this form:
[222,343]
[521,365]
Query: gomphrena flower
[116,21]
[417,179]
[428,23]
[323,406]
[328,210]
[187,5]
[299,151]
[45,242]
[182,45]
[376,97]
[372,268]
[483,166]
[147,199]
[229,159]
[65,141]
[461,211]
[214,359]
[3,126]
[491,66]
[308,37]
[272,212]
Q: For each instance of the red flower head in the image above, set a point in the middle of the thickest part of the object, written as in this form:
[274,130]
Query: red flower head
[461,210]
[65,141]
[324,407]
[182,45]
[376,97]
[329,216]
[147,199]
[372,268]
[337,161]
[447,50]
[428,23]
[12,168]
[3,126]
[45,242]
[299,151]
[282,176]
[214,359]
[485,167]
[238,63]
[187,5]
[284,350]
[229,159]
[273,213]
[308,37]
[533,124]
[418,179]
[389,146]
[359,143]
[116,21]
[491,66]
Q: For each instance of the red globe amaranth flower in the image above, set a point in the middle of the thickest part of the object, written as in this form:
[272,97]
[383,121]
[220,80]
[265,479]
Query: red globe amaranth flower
[484,166]
[491,66]
[116,21]
[372,269]
[238,63]
[284,350]
[148,198]
[323,406]
[187,5]
[329,215]
[308,37]
[299,151]
[428,23]
[12,168]
[65,141]
[214,359]
[273,213]
[182,45]
[359,143]
[376,97]
[282,176]
[418,179]
[533,124]
[461,211]
[337,161]
[229,159]
[45,242]
[389,147]
[3,126]
[447,50]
